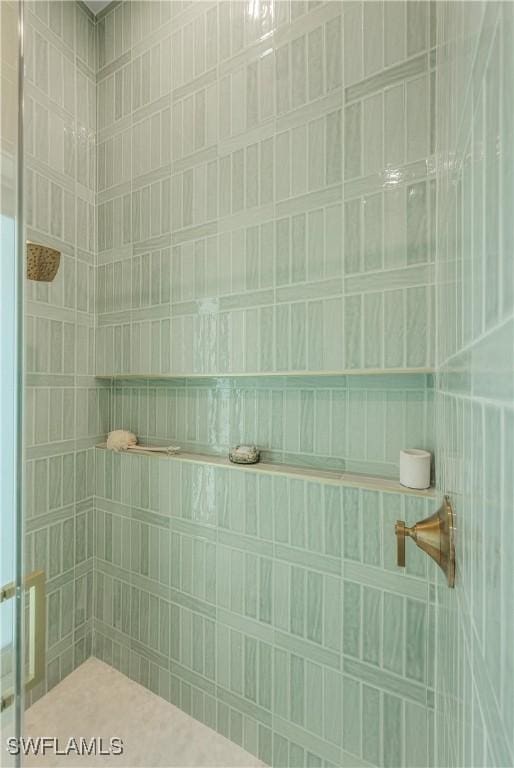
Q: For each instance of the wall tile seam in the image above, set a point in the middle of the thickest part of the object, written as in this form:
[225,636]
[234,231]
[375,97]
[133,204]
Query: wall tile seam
[490,709]
[489,26]
[386,686]
[284,33]
[485,335]
[34,23]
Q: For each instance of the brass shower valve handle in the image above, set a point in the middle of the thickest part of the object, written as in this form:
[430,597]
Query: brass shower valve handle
[399,529]
[402,531]
[434,535]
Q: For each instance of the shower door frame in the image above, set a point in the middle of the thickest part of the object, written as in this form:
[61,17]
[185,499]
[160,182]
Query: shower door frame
[13,263]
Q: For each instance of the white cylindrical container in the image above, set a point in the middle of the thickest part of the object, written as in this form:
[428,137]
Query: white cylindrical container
[415,468]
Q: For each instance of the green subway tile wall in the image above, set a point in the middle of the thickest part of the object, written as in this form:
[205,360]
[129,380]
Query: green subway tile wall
[66,410]
[475,382]
[252,188]
[255,188]
[266,204]
[268,607]
[266,190]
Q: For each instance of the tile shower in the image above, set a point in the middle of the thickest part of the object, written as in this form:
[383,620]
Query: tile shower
[244,195]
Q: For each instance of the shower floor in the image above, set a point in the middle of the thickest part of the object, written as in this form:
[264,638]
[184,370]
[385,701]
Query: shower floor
[96,700]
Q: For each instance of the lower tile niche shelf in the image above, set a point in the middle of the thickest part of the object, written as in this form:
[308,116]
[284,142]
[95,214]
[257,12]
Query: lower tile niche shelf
[352,372]
[353,480]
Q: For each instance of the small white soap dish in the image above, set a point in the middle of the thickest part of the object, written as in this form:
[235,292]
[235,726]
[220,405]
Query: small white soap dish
[244,454]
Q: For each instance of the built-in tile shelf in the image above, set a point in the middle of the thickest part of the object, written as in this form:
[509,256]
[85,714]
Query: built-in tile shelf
[353,480]
[265,374]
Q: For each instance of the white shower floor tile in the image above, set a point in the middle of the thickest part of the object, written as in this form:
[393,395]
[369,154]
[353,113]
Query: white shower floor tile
[96,700]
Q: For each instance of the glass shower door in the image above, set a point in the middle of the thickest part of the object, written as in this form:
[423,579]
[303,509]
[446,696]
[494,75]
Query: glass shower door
[11,596]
